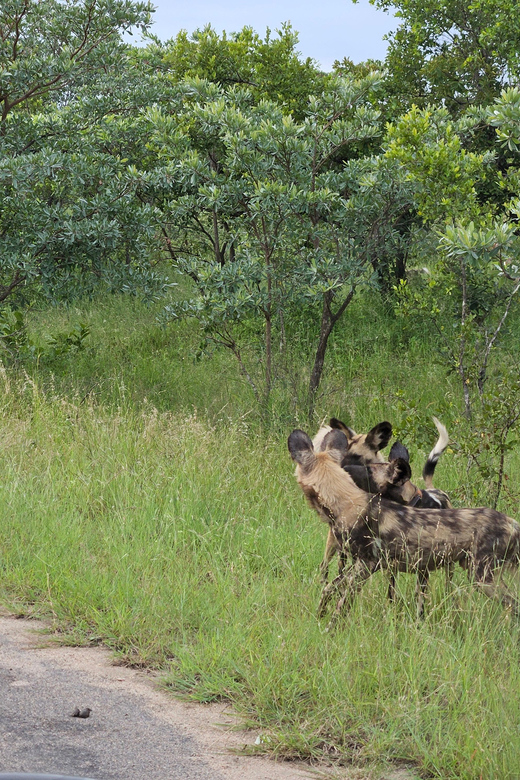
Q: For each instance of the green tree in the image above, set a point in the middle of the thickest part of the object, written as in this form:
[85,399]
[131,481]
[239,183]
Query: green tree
[270,68]
[473,282]
[450,52]
[429,147]
[267,214]
[67,211]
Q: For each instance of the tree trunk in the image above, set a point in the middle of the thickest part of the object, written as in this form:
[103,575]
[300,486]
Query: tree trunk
[328,321]
[462,346]
[319,359]
[216,240]
[268,337]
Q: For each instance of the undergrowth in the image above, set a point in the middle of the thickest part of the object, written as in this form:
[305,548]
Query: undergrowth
[144,506]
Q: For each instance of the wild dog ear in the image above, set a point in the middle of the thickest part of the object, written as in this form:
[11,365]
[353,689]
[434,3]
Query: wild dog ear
[300,447]
[398,450]
[335,423]
[335,444]
[399,471]
[317,442]
[378,438]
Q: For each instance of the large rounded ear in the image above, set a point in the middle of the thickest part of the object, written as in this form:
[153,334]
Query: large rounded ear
[379,437]
[398,450]
[335,444]
[317,442]
[335,423]
[399,471]
[300,447]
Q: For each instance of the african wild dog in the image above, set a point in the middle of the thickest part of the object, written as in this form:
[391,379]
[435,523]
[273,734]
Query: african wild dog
[364,450]
[362,447]
[381,534]
[430,497]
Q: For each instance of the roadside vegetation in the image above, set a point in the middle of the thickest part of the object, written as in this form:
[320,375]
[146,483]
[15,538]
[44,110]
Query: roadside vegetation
[145,507]
[205,243]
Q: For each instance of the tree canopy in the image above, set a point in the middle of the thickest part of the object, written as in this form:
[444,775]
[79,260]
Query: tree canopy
[66,204]
[274,188]
[452,53]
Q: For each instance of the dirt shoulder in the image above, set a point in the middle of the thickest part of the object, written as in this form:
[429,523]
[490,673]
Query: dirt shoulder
[134,731]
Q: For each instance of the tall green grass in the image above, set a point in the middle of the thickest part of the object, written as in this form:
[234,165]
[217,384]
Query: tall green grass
[142,507]
[130,359]
[188,547]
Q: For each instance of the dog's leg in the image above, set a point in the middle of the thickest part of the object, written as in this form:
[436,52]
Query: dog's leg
[331,546]
[352,582]
[330,589]
[343,558]
[391,586]
[449,584]
[420,591]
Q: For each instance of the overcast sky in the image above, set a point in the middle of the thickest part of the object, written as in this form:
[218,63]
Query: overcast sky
[328,29]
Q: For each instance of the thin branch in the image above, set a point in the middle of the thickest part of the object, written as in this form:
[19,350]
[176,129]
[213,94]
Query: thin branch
[226,340]
[6,290]
[491,341]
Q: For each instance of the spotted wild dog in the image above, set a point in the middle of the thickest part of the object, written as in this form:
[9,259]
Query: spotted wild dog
[379,533]
[430,497]
[364,450]
[363,447]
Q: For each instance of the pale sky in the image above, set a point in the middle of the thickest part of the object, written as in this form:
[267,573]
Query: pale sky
[328,29]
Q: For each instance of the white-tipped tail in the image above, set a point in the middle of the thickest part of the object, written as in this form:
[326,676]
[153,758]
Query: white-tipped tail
[442,441]
[435,454]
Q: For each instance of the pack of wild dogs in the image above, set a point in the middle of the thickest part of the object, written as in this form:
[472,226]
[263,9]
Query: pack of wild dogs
[379,520]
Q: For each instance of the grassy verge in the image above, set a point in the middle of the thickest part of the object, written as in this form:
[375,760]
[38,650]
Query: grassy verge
[186,545]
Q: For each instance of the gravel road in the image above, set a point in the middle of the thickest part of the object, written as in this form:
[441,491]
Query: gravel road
[134,732]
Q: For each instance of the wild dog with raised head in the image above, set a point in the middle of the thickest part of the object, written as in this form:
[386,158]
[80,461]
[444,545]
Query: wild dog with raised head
[364,449]
[362,452]
[381,534]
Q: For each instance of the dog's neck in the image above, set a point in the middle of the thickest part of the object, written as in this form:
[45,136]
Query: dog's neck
[334,489]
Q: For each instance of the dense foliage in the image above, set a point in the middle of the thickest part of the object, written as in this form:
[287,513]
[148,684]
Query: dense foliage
[293,244]
[452,53]
[274,188]
[68,210]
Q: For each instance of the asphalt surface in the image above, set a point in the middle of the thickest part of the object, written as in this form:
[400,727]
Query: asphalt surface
[134,732]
